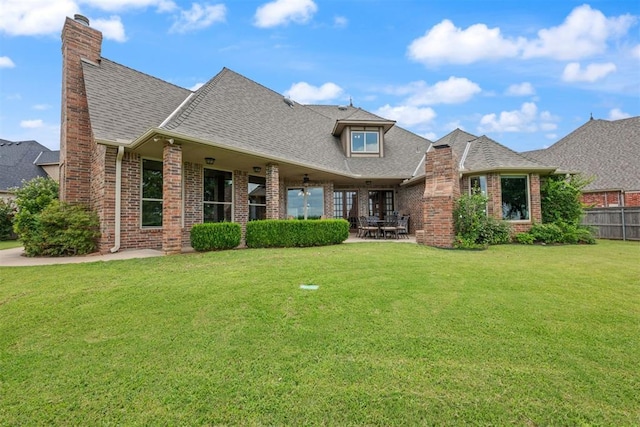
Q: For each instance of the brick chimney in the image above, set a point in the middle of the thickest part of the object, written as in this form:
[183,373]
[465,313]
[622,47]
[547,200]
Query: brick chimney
[79,40]
[442,189]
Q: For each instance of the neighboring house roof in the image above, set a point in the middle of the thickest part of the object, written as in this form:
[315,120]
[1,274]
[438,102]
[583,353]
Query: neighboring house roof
[47,158]
[18,162]
[235,112]
[608,151]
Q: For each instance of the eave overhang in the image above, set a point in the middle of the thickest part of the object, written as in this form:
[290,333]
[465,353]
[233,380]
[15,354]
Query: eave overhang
[342,124]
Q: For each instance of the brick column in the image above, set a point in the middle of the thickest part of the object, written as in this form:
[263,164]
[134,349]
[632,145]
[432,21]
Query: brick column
[241,202]
[273,191]
[172,198]
[535,214]
[442,189]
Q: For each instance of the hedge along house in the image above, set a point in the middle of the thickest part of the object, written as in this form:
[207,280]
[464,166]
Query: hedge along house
[152,158]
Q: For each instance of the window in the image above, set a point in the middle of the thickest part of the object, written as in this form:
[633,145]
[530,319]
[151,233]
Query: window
[364,142]
[257,198]
[305,202]
[218,196]
[345,205]
[381,203]
[151,193]
[478,185]
[515,197]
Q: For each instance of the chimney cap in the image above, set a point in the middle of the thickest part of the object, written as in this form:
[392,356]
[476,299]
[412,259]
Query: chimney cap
[81,19]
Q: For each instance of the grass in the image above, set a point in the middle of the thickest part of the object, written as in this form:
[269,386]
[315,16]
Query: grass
[396,334]
[8,244]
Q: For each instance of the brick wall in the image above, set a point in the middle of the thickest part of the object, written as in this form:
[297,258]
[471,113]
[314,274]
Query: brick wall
[442,189]
[193,198]
[410,201]
[172,198]
[76,142]
[632,198]
[273,191]
[241,201]
[604,199]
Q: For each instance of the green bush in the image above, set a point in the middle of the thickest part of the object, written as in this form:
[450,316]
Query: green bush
[546,233]
[560,199]
[60,230]
[7,212]
[215,236]
[524,238]
[296,233]
[574,234]
[474,229]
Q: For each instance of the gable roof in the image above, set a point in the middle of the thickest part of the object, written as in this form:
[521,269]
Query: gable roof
[483,154]
[232,111]
[18,162]
[606,150]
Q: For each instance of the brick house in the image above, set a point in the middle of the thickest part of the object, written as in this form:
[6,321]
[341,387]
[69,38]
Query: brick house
[153,159]
[23,161]
[608,153]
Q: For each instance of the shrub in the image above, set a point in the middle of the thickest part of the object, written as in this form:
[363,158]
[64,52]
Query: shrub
[31,199]
[60,230]
[524,238]
[560,199]
[296,233]
[474,229]
[546,233]
[574,234]
[215,236]
[7,212]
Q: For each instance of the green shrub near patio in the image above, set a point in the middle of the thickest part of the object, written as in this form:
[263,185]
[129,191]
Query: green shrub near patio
[215,236]
[296,233]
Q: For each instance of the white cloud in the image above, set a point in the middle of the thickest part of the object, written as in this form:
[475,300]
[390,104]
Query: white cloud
[31,124]
[199,17]
[34,17]
[446,43]
[6,62]
[196,86]
[635,52]
[41,107]
[522,89]
[305,93]
[431,136]
[522,120]
[121,5]
[454,90]
[407,115]
[584,33]
[112,28]
[281,12]
[548,126]
[552,136]
[340,21]
[617,114]
[573,72]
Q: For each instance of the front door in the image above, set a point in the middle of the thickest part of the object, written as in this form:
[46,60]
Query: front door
[345,205]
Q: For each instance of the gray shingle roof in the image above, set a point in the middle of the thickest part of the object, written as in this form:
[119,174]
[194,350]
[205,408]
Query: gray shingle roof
[48,158]
[124,103]
[609,151]
[17,162]
[480,154]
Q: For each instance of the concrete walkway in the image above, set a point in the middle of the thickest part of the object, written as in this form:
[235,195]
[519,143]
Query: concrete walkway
[14,257]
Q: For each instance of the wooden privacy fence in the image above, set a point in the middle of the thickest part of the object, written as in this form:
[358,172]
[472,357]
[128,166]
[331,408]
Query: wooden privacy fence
[618,223]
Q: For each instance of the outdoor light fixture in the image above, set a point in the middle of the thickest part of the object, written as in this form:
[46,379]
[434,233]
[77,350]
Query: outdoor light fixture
[209,160]
[257,169]
[305,180]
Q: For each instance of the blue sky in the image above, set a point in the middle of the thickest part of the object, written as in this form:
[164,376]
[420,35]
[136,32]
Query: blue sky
[524,73]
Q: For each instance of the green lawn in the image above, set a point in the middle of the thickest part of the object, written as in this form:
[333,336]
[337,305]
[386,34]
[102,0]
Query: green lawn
[396,334]
[8,244]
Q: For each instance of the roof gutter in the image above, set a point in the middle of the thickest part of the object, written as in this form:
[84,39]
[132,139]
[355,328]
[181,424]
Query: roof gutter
[118,207]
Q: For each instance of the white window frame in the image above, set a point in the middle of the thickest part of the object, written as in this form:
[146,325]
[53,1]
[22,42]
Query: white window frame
[364,133]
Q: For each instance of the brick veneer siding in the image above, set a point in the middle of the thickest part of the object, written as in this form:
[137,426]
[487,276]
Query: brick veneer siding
[442,189]
[410,202]
[76,142]
[172,198]
[241,202]
[103,193]
[632,198]
[193,198]
[273,191]
[604,199]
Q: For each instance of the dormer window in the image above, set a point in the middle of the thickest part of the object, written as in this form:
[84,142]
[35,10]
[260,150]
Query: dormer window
[365,142]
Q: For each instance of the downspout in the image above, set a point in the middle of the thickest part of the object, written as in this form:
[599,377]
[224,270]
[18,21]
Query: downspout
[119,156]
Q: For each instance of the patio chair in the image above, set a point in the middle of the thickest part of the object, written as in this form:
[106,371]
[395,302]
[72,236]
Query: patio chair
[390,226]
[403,227]
[365,228]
